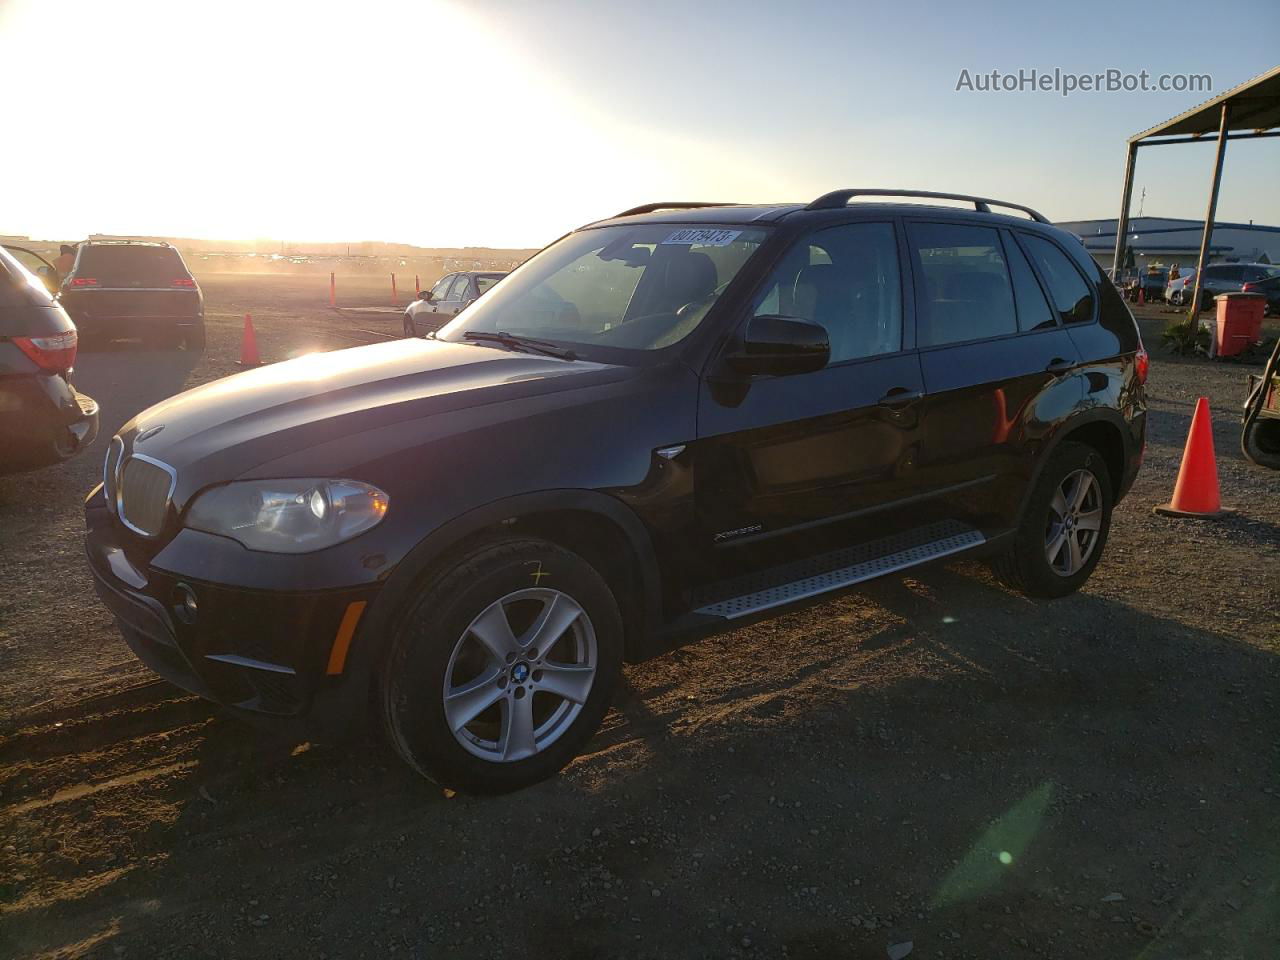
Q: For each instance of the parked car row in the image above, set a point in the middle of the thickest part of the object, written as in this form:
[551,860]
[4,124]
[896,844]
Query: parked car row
[114,289]
[1219,278]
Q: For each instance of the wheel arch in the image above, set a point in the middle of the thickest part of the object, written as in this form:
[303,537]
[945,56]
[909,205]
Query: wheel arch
[1104,430]
[601,529]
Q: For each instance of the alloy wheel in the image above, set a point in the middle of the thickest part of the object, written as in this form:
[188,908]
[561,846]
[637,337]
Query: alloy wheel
[520,674]
[1074,522]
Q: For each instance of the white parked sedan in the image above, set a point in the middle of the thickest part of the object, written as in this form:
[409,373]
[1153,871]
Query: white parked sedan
[451,294]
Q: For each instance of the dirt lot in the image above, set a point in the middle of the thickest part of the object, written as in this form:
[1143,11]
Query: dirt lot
[929,760]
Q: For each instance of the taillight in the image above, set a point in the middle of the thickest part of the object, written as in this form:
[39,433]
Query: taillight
[55,354]
[185,282]
[83,282]
[1141,364]
[1247,287]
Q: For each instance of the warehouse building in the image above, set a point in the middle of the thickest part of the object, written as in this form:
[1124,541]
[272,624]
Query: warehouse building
[1165,240]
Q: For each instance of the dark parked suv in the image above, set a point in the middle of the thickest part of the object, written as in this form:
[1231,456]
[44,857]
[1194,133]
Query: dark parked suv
[134,288]
[670,421]
[43,420]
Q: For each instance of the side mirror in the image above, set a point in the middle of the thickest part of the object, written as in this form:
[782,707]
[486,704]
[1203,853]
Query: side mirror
[781,346]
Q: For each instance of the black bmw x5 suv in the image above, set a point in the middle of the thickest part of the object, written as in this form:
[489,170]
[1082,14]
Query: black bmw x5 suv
[669,421]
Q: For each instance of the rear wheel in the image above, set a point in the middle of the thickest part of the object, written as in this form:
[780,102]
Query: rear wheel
[503,667]
[1063,528]
[194,338]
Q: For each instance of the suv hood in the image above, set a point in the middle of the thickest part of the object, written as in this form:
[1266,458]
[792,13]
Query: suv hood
[223,429]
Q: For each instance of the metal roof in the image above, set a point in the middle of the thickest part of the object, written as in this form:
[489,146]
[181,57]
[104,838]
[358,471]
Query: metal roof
[1255,106]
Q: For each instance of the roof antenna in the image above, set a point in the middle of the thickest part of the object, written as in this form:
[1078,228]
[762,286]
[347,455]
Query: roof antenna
[1141,200]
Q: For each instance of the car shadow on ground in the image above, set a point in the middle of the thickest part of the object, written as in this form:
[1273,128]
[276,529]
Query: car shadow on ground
[929,759]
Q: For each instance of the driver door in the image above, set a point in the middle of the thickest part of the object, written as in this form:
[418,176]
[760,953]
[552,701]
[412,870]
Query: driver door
[780,456]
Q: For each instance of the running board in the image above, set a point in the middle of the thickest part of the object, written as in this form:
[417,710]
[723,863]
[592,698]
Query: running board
[841,568]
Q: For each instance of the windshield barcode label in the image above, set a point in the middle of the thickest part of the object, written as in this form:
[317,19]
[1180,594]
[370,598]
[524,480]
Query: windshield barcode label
[703,236]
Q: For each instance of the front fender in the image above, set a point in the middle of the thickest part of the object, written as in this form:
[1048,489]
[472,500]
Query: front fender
[379,626]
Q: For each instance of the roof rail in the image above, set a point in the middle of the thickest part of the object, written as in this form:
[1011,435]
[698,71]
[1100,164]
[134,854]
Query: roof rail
[107,238]
[664,205]
[838,198]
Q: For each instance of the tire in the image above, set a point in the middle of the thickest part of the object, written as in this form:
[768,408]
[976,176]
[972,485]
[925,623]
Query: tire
[1260,442]
[194,338]
[436,649]
[410,328]
[1026,566]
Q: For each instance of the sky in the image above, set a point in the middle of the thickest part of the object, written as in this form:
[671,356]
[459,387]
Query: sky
[496,123]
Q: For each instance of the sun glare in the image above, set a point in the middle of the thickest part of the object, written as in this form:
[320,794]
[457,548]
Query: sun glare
[393,120]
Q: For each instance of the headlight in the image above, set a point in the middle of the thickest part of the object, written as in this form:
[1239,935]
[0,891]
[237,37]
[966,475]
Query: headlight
[288,516]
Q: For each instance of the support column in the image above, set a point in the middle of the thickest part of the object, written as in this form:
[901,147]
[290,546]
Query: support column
[1122,224]
[1207,236]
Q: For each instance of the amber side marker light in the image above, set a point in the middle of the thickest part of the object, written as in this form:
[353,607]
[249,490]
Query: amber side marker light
[341,642]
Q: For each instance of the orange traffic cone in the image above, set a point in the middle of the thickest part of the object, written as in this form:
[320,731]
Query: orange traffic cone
[249,345]
[1196,492]
[1142,295]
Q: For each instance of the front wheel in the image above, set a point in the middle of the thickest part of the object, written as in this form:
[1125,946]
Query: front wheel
[410,328]
[503,667]
[1063,528]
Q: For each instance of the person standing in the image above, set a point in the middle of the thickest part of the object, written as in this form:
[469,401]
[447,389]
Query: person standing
[65,261]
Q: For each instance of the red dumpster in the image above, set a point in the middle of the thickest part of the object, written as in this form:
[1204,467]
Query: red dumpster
[1239,322]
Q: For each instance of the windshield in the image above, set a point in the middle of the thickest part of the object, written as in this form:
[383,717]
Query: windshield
[638,287]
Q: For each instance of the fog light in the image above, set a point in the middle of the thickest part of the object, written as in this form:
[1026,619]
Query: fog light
[185,607]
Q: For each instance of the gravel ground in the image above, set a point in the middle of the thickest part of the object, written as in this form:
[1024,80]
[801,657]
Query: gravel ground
[929,764]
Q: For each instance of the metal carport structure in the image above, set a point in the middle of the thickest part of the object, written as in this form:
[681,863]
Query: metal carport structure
[1249,111]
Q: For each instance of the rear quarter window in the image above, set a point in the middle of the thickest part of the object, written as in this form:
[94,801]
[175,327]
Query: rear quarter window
[1071,294]
[131,265]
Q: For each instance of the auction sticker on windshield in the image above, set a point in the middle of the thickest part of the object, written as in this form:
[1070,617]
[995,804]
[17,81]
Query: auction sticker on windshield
[704,236]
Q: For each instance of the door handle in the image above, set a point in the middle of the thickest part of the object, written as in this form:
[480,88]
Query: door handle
[899,397]
[1057,366]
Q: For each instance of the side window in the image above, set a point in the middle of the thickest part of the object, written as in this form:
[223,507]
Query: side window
[1033,309]
[459,290]
[964,292]
[1071,295]
[846,278]
[441,287]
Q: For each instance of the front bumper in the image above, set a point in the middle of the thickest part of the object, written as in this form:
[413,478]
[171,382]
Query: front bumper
[264,653]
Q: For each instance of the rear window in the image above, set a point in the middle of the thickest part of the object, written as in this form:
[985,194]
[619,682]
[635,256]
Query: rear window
[965,292]
[130,265]
[19,287]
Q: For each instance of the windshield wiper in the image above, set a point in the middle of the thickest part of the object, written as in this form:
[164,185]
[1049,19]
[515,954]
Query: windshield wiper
[517,342]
